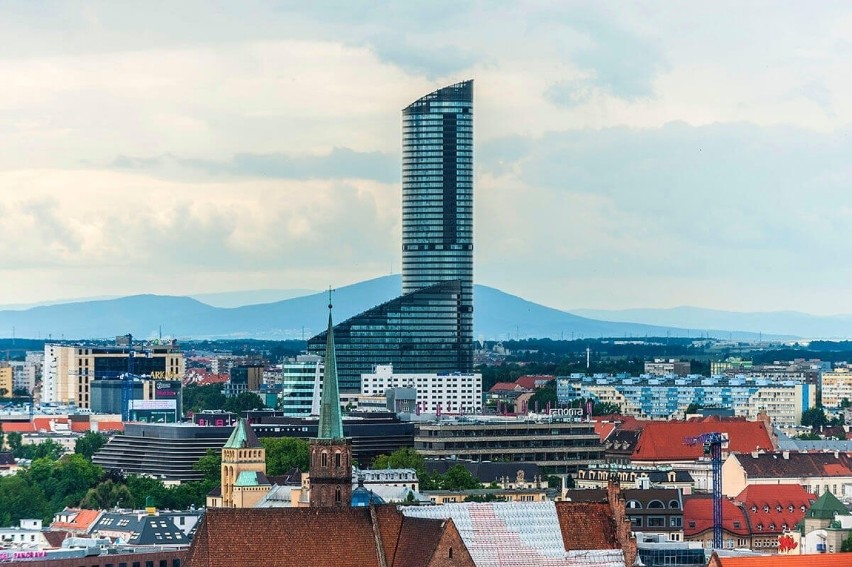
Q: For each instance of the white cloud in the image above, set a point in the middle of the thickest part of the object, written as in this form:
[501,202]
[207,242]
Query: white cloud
[625,157]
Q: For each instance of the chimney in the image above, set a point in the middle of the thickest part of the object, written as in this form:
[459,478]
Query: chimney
[786,455]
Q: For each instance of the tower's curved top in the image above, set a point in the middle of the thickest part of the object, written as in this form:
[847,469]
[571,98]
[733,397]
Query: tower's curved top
[459,92]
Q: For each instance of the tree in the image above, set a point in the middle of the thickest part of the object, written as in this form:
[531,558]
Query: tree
[90,443]
[45,450]
[845,403]
[459,478]
[211,466]
[814,417]
[285,453]
[244,401]
[106,495]
[14,439]
[847,544]
[20,498]
[207,397]
[693,408]
[544,395]
[402,458]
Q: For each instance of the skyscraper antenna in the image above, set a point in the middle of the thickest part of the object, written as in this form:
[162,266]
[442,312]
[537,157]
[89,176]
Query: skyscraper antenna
[329,298]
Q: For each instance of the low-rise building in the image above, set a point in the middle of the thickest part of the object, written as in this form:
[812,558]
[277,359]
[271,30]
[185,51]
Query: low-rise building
[671,367]
[556,445]
[652,511]
[817,472]
[632,477]
[442,393]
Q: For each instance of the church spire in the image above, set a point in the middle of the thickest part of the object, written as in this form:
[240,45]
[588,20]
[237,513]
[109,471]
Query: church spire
[330,420]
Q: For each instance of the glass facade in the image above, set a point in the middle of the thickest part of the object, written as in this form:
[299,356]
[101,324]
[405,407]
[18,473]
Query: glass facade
[437,199]
[417,332]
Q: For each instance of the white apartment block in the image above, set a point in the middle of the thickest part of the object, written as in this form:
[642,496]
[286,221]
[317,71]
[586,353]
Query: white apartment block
[836,386]
[23,375]
[451,393]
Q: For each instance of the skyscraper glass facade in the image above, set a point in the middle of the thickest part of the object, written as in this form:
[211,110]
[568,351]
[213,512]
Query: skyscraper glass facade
[437,199]
[417,332]
[429,329]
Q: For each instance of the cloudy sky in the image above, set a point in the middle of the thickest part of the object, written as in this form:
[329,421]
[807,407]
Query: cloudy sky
[627,154]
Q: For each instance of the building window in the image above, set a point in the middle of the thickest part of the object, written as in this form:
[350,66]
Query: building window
[636,521]
[674,504]
[675,522]
[337,460]
[337,496]
[656,522]
[655,504]
[324,459]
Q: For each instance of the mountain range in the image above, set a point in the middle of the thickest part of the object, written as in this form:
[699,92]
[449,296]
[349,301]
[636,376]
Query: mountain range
[251,314]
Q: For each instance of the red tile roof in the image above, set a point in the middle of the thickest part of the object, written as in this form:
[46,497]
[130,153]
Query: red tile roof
[698,516]
[587,525]
[529,382]
[664,440]
[505,387]
[104,426]
[17,427]
[773,509]
[334,537]
[81,522]
[810,560]
[603,429]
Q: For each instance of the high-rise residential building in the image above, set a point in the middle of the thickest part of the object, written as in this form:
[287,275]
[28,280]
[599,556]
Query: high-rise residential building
[437,199]
[430,327]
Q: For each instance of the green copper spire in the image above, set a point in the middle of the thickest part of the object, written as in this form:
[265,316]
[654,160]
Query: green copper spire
[330,421]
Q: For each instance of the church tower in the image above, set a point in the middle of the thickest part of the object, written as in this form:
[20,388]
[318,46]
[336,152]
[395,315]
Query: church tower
[331,453]
[243,468]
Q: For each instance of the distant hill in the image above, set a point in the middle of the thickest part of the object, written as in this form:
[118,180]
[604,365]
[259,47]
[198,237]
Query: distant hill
[498,315]
[769,323]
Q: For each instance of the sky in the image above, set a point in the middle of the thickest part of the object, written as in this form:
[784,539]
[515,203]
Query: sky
[627,154]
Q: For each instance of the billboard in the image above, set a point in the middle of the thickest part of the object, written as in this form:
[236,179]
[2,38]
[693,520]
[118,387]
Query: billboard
[153,405]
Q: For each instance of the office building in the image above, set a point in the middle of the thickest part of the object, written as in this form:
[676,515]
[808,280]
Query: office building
[437,198]
[451,393]
[418,332]
[430,327]
[69,369]
[299,379]
[557,446]
[164,451]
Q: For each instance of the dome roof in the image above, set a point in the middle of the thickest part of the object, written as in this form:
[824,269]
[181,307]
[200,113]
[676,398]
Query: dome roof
[361,497]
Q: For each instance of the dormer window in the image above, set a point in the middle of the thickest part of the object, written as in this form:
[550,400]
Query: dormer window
[760,527]
[778,508]
[766,508]
[790,508]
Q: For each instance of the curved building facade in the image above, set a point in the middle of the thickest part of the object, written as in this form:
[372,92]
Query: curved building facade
[437,199]
[417,332]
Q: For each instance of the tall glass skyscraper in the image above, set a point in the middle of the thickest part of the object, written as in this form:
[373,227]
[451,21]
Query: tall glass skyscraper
[437,198]
[430,327]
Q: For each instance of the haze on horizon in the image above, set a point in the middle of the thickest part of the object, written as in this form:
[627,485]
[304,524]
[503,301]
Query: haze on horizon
[630,155]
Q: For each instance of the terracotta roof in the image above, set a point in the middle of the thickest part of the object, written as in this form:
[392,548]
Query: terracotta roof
[17,427]
[774,508]
[81,521]
[104,426]
[698,516]
[336,537]
[529,382]
[811,560]
[587,525]
[505,387]
[664,440]
[795,465]
[81,426]
[603,429]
